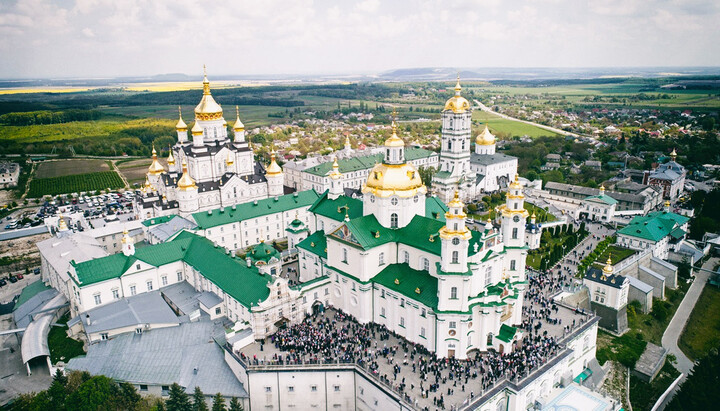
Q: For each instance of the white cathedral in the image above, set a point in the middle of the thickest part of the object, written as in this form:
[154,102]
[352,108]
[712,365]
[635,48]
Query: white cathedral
[209,171]
[473,173]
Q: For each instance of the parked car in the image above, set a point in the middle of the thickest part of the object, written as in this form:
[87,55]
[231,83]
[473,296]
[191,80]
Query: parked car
[36,271]
[3,283]
[20,276]
[12,279]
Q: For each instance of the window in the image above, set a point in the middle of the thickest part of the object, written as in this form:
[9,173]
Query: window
[422,331]
[116,294]
[353,285]
[345,256]
[402,302]
[143,387]
[402,322]
[218,311]
[382,311]
[137,266]
[98,301]
[406,257]
[164,280]
[104,336]
[165,390]
[268,389]
[426,264]
[453,325]
[512,265]
[179,276]
[133,291]
[382,293]
[149,285]
[515,233]
[455,257]
[336,387]
[394,201]
[291,388]
[423,313]
[381,259]
[488,276]
[394,220]
[453,293]
[313,388]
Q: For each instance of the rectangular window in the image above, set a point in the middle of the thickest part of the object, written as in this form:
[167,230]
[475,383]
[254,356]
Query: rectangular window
[402,322]
[402,302]
[422,331]
[452,324]
[512,265]
[98,301]
[165,390]
[116,294]
[382,311]
[179,276]
[133,291]
[313,388]
[218,311]
[268,389]
[515,233]
[382,293]
[337,388]
[164,280]
[453,293]
[423,313]
[149,285]
[104,336]
[143,387]
[291,389]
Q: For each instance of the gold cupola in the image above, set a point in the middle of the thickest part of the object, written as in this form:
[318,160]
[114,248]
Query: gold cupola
[196,130]
[516,184]
[186,182]
[457,103]
[608,269]
[171,158]
[335,173]
[485,138]
[180,126]
[208,109]
[394,140]
[455,220]
[155,167]
[238,126]
[273,169]
[402,180]
[62,225]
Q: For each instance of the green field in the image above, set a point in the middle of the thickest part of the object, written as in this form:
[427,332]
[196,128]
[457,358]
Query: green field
[74,183]
[59,168]
[702,332]
[508,128]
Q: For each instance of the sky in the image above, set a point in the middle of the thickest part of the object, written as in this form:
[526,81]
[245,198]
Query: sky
[110,38]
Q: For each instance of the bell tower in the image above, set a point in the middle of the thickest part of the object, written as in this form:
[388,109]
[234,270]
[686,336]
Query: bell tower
[514,216]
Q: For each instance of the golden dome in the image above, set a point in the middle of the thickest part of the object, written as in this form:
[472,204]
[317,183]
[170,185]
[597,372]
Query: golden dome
[239,126]
[155,167]
[402,180]
[335,174]
[485,138]
[347,141]
[196,130]
[394,140]
[62,225]
[455,202]
[602,189]
[126,237]
[457,103]
[170,159]
[516,184]
[186,182]
[229,160]
[674,153]
[180,126]
[208,109]
[608,269]
[273,169]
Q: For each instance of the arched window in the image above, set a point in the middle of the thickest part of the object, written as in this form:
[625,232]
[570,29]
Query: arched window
[406,257]
[454,257]
[489,339]
[453,293]
[381,259]
[393,220]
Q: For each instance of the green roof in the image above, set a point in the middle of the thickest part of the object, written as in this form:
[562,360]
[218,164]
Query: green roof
[603,198]
[409,282]
[296,226]
[246,211]
[263,252]
[337,208]
[316,243]
[158,220]
[677,233]
[231,275]
[435,208]
[348,165]
[655,226]
[30,291]
[442,174]
[506,333]
[366,232]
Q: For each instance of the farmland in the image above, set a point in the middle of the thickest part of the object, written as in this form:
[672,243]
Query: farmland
[508,128]
[134,171]
[59,168]
[74,183]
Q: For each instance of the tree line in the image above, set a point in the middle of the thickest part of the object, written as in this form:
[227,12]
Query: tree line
[48,117]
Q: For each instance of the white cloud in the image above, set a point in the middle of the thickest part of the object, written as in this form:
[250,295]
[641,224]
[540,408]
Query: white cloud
[87,32]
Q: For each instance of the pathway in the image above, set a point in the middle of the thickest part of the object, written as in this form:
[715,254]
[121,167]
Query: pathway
[677,324]
[117,170]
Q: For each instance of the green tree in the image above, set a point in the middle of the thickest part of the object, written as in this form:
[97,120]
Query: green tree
[95,393]
[127,397]
[218,403]
[699,391]
[235,405]
[199,403]
[57,393]
[178,399]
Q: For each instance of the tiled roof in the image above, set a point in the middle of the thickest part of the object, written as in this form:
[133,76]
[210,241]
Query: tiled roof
[243,283]
[316,243]
[417,285]
[347,165]
[246,211]
[655,226]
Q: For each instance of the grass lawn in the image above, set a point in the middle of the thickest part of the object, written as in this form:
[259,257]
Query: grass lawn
[625,349]
[510,128]
[702,332]
[540,213]
[617,253]
[643,395]
[58,168]
[652,327]
[62,347]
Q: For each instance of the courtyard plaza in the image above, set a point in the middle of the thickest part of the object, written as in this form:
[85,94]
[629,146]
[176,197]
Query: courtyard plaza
[408,369]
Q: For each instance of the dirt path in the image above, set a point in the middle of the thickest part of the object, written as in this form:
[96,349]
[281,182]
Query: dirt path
[117,170]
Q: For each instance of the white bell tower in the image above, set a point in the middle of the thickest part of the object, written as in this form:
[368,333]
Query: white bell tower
[514,216]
